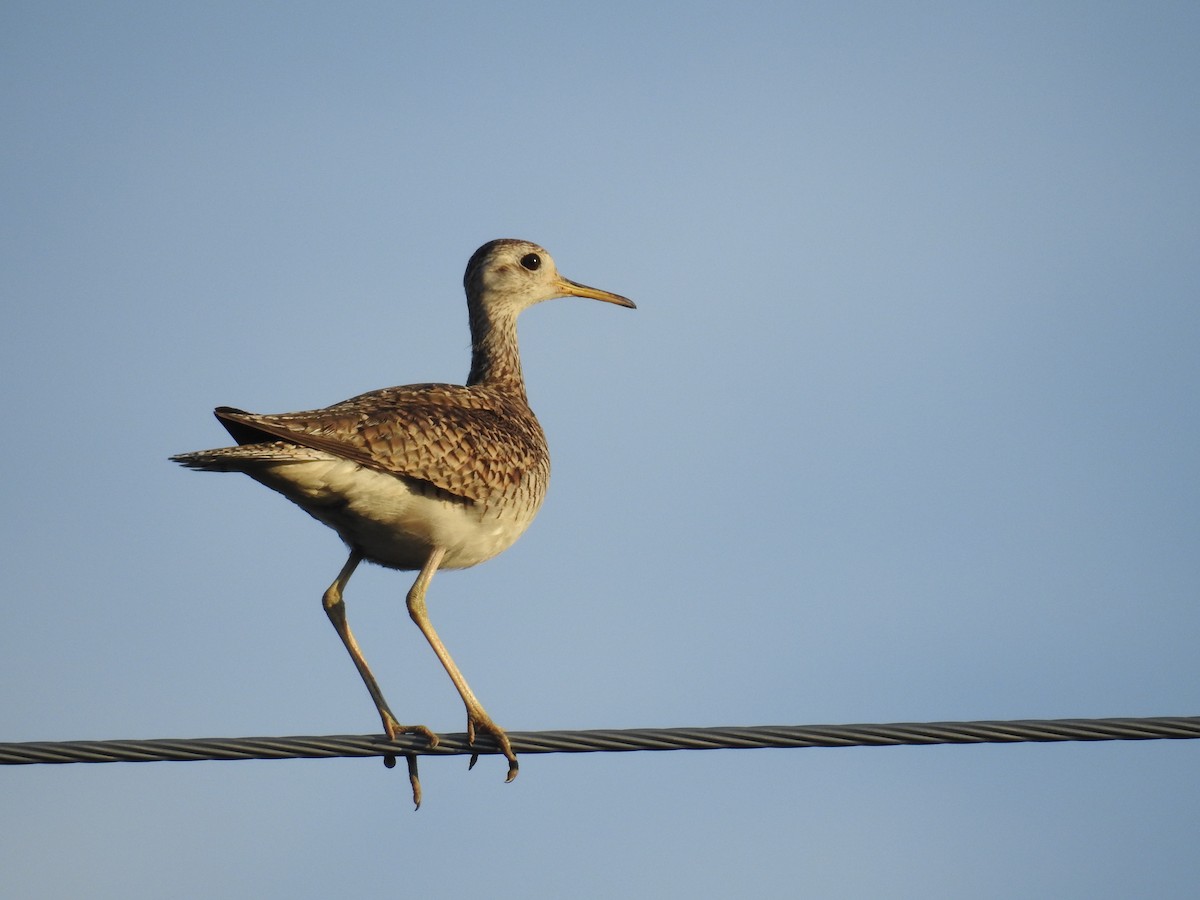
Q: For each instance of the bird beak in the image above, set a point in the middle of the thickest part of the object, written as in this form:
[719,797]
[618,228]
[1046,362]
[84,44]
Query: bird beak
[570,288]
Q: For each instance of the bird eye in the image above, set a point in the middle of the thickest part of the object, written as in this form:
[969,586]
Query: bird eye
[531,261]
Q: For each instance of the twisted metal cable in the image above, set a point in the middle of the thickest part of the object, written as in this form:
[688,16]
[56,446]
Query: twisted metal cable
[607,740]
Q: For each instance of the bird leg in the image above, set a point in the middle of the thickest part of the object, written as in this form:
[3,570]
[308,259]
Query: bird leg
[477,717]
[335,608]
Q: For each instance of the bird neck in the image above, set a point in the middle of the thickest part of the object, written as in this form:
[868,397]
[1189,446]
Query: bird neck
[495,356]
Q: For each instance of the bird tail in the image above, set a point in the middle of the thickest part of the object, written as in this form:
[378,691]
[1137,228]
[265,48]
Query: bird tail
[247,456]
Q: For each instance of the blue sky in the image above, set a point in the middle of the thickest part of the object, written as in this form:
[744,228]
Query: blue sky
[904,428]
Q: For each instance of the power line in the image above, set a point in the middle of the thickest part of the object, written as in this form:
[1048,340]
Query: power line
[607,740]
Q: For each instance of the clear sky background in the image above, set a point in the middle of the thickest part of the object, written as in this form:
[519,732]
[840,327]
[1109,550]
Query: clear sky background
[905,428]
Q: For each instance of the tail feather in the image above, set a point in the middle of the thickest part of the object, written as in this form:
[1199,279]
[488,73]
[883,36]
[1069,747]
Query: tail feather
[246,456]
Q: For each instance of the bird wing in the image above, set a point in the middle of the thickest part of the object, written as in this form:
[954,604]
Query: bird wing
[467,441]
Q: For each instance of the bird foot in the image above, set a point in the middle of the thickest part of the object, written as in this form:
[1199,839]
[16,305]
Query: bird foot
[483,722]
[413,778]
[393,728]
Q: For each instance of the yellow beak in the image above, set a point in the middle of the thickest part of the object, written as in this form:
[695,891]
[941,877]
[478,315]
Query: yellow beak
[570,288]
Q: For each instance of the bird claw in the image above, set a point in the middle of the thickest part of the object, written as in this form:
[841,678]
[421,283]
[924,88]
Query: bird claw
[486,724]
[414,780]
[392,728]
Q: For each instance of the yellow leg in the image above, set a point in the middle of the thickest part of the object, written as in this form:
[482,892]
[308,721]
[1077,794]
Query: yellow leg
[477,717]
[335,608]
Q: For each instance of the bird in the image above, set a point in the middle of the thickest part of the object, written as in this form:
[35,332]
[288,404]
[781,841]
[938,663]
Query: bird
[421,477]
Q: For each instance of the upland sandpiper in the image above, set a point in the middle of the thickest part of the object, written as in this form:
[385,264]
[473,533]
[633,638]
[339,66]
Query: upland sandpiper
[421,477]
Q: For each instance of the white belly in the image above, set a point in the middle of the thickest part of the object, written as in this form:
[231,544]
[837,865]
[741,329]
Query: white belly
[391,522]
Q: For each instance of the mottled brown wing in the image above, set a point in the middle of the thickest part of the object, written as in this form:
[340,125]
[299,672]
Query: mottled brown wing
[468,441]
